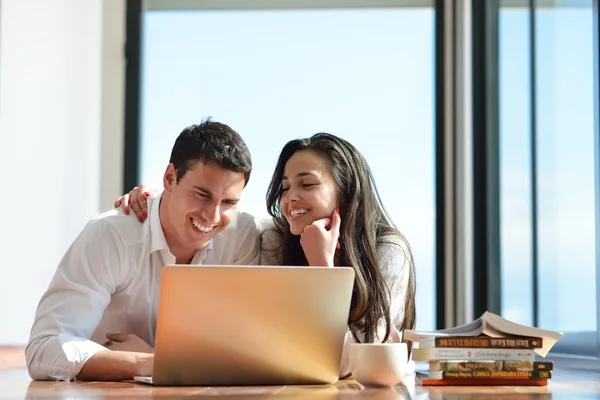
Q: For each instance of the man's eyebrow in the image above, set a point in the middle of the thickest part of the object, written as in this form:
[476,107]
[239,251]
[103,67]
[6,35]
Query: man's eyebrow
[204,190]
[209,193]
[299,174]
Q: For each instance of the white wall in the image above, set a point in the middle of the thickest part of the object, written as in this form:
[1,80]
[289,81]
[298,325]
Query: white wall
[61,89]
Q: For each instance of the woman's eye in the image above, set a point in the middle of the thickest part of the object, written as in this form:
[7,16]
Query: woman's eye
[284,189]
[308,185]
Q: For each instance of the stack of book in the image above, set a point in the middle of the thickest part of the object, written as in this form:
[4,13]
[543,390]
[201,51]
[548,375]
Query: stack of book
[489,351]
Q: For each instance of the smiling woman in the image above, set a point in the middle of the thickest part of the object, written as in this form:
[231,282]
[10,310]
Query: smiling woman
[326,211]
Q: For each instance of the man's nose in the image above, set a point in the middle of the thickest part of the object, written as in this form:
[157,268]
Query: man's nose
[212,214]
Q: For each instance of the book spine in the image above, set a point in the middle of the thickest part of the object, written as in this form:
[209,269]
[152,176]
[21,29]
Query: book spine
[481,382]
[463,365]
[453,353]
[523,366]
[486,342]
[496,375]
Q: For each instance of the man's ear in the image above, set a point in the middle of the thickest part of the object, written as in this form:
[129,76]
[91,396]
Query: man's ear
[170,177]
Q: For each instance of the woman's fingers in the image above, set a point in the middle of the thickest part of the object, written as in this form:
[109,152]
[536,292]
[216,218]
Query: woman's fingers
[137,203]
[125,203]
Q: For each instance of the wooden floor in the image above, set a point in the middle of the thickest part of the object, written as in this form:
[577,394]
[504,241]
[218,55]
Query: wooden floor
[16,384]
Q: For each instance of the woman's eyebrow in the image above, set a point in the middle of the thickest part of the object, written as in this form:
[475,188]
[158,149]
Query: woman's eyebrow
[299,174]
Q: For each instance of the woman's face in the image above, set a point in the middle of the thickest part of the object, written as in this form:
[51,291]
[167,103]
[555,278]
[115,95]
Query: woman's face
[309,190]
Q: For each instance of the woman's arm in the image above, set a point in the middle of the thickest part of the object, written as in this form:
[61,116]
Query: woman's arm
[395,261]
[396,265]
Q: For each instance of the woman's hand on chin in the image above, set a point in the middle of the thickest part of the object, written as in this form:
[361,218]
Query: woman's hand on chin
[319,240]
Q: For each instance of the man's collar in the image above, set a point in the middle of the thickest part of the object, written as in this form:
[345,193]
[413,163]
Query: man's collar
[157,235]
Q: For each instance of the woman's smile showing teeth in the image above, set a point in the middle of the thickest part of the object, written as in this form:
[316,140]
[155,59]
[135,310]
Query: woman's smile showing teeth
[298,212]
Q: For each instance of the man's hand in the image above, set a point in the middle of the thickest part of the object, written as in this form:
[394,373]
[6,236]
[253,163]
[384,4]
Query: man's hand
[319,240]
[127,342]
[116,366]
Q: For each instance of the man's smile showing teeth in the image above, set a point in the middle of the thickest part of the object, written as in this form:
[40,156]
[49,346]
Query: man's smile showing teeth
[201,228]
[300,211]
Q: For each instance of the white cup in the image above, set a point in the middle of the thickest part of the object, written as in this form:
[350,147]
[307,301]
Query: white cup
[379,364]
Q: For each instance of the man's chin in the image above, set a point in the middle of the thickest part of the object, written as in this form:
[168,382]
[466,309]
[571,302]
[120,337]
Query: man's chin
[201,243]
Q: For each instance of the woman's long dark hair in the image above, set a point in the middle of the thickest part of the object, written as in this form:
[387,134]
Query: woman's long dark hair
[364,225]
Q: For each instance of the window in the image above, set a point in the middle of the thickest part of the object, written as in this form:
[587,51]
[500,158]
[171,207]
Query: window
[515,165]
[547,184]
[365,74]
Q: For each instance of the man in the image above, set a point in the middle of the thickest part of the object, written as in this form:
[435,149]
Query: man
[97,319]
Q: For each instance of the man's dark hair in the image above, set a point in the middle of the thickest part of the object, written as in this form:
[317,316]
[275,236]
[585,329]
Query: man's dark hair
[211,141]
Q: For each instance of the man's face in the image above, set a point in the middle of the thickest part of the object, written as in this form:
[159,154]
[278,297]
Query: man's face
[201,204]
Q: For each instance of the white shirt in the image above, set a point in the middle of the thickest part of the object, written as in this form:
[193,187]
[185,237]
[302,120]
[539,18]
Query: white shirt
[395,264]
[109,282]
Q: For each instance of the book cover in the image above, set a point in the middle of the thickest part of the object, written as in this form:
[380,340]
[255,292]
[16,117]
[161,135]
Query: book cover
[508,395]
[489,375]
[481,382]
[512,342]
[455,353]
[492,365]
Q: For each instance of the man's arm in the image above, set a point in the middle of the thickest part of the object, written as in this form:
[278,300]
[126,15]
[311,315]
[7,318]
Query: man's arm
[72,307]
[116,366]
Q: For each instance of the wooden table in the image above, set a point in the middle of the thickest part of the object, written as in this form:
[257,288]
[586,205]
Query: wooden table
[16,384]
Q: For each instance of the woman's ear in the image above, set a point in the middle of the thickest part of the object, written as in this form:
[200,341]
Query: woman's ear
[170,177]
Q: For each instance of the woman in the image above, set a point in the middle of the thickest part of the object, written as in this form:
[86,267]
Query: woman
[326,211]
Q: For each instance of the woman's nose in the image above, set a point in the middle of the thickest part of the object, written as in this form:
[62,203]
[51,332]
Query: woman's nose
[293,194]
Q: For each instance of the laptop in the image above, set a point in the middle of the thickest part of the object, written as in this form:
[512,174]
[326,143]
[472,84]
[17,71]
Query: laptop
[250,325]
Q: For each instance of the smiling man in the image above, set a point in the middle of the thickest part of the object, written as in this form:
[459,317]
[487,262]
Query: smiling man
[97,319]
